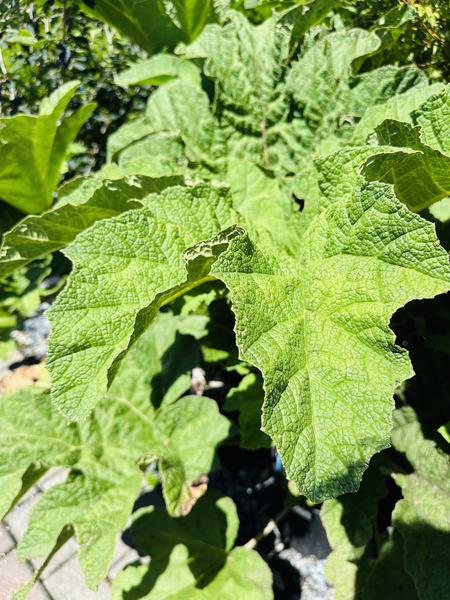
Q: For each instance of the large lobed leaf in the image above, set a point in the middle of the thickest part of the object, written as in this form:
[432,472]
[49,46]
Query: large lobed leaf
[315,320]
[318,328]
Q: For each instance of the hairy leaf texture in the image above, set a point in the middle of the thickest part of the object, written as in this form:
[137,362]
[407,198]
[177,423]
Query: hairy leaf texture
[315,321]
[434,119]
[266,108]
[420,174]
[36,236]
[33,149]
[125,269]
[193,557]
[399,108]
[318,328]
[29,436]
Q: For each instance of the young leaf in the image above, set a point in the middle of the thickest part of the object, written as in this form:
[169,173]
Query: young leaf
[249,62]
[259,112]
[325,69]
[193,557]
[40,142]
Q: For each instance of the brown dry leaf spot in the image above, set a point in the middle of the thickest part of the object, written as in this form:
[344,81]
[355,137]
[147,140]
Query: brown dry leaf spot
[194,492]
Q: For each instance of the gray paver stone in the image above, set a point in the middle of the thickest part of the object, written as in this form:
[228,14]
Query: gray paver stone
[53,477]
[126,559]
[13,574]
[6,541]
[17,519]
[68,583]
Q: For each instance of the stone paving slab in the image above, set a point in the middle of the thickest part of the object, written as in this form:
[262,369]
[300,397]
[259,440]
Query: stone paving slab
[17,519]
[51,478]
[13,574]
[67,583]
[119,563]
[6,541]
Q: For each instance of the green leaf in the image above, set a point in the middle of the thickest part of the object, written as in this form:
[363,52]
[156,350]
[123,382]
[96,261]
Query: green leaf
[318,329]
[434,119]
[316,79]
[248,63]
[28,436]
[97,506]
[247,398]
[420,174]
[41,142]
[316,323]
[378,86]
[349,522]
[155,25]
[188,432]
[423,516]
[193,557]
[140,421]
[96,499]
[316,13]
[385,577]
[122,276]
[398,108]
[258,112]
[269,211]
[159,69]
[182,109]
[37,236]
